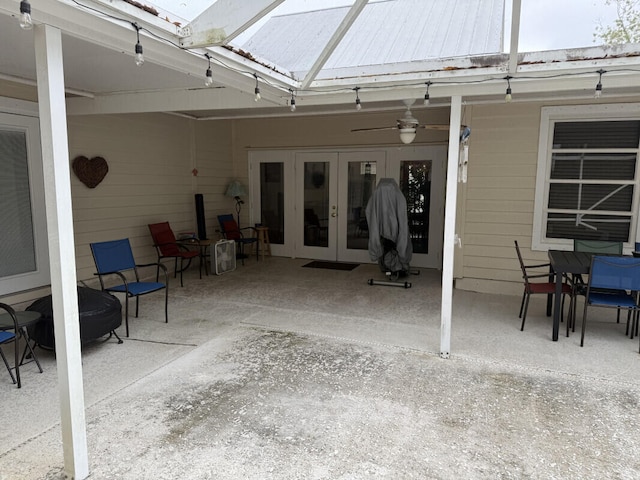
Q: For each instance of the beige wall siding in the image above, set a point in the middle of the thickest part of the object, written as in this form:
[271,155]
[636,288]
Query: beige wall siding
[499,196]
[216,168]
[149,181]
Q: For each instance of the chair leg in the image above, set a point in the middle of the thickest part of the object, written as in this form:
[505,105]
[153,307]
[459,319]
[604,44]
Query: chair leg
[522,304]
[166,305]
[33,355]
[181,269]
[571,314]
[524,315]
[137,303]
[4,359]
[126,314]
[584,322]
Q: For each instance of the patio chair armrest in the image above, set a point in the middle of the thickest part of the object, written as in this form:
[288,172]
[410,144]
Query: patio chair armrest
[155,264]
[115,272]
[540,275]
[12,314]
[547,265]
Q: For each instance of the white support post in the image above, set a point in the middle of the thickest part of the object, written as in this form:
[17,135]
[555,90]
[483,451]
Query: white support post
[57,187]
[450,226]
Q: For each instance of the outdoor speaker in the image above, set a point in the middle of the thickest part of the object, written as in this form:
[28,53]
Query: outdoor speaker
[202,228]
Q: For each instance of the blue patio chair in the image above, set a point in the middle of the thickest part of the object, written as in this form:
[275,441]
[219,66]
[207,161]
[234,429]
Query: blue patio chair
[597,247]
[116,258]
[613,283]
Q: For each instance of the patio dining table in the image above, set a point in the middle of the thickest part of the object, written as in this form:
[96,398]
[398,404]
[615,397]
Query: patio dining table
[562,263]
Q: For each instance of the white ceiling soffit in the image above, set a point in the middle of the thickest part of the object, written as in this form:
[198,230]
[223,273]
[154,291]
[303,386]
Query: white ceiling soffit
[223,21]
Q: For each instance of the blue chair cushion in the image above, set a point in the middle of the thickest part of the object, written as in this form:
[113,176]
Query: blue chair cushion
[6,336]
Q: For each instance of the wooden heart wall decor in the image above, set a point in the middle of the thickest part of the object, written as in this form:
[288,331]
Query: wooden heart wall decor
[90,171]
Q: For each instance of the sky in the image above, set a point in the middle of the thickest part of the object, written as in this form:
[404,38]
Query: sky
[544,24]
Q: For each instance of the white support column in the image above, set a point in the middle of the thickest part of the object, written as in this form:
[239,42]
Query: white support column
[450,226]
[57,187]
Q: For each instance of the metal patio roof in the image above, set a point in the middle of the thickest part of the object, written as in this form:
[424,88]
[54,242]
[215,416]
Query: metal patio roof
[319,56]
[393,32]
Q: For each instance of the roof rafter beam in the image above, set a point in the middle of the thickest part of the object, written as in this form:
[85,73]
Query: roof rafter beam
[334,41]
[515,35]
[223,21]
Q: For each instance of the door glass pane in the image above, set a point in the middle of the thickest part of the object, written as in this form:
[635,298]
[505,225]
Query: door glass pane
[415,183]
[17,254]
[316,204]
[361,181]
[272,200]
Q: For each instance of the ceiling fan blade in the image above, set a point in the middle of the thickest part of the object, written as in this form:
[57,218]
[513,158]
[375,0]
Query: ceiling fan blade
[440,127]
[373,128]
[435,127]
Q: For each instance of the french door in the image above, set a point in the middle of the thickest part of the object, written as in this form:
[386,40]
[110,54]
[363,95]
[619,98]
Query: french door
[332,192]
[314,202]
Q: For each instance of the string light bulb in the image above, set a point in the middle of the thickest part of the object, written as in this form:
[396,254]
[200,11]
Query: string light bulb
[257,90]
[598,92]
[208,76]
[508,97]
[25,15]
[358,104]
[292,102]
[426,95]
[138,49]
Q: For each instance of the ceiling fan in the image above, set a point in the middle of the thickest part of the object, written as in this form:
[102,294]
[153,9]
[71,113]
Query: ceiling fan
[408,125]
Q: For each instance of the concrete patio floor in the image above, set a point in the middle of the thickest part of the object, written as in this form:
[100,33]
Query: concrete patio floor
[275,371]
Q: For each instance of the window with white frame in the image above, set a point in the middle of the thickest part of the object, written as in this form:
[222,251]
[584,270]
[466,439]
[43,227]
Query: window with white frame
[587,183]
[24,262]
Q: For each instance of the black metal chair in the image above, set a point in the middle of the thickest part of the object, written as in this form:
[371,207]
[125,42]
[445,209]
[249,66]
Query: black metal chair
[12,327]
[538,288]
[231,231]
[167,246]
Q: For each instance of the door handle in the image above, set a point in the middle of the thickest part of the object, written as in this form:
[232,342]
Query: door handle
[334,214]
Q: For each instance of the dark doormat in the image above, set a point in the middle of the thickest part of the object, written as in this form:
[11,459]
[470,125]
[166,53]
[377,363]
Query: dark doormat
[331,265]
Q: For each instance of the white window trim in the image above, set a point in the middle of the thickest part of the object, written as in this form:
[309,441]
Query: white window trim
[616,111]
[22,115]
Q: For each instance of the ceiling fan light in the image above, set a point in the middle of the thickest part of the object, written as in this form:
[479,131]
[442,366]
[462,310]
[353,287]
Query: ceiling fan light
[407,135]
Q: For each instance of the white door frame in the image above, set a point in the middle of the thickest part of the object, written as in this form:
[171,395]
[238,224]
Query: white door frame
[438,156]
[389,158]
